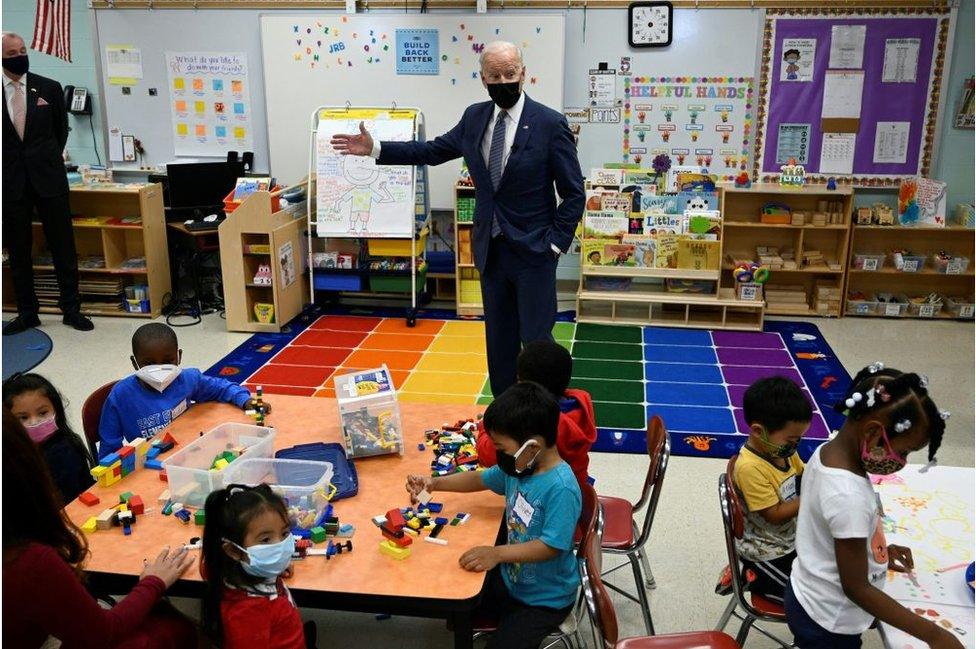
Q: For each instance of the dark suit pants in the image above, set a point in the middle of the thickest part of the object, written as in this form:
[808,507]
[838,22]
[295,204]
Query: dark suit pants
[520,307]
[55,217]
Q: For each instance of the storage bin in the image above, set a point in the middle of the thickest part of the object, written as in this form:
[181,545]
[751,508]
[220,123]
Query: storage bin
[379,283]
[960,307]
[304,484]
[950,266]
[369,413]
[230,204]
[336,281]
[907,263]
[188,470]
[892,304]
[924,309]
[868,262]
[398,247]
[869,305]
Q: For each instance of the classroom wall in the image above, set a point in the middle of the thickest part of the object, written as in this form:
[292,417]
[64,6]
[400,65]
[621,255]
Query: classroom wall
[956,161]
[18,16]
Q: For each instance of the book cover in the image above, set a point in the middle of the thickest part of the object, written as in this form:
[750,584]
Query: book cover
[655,224]
[644,249]
[665,253]
[639,178]
[664,204]
[637,192]
[619,202]
[247,186]
[697,201]
[594,199]
[619,254]
[605,225]
[592,250]
[601,176]
[704,225]
[694,254]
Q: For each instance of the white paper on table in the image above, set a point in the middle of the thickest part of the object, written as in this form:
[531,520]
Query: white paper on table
[847,46]
[901,60]
[842,94]
[837,153]
[793,142]
[798,66]
[115,144]
[123,61]
[891,142]
[930,588]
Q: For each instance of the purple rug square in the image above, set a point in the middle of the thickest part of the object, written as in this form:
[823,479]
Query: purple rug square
[739,375]
[751,340]
[754,357]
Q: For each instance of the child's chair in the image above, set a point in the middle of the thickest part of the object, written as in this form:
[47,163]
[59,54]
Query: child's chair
[756,608]
[91,415]
[622,535]
[604,618]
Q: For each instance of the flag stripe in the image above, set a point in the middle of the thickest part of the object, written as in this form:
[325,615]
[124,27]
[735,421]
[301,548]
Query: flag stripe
[52,28]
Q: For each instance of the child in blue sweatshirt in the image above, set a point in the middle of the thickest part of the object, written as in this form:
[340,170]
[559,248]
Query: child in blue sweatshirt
[146,402]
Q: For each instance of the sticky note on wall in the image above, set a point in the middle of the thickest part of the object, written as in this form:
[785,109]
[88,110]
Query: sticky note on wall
[180,106]
[181,129]
[179,83]
[237,86]
[199,106]
[201,130]
[198,84]
[239,132]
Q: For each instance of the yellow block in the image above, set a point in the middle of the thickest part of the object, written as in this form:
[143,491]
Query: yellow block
[221,464]
[98,471]
[90,525]
[414,523]
[393,550]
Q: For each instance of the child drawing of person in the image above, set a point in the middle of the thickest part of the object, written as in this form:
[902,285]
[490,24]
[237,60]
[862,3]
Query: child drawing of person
[362,194]
[792,57]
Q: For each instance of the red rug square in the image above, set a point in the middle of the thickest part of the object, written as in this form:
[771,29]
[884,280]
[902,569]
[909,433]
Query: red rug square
[329,338]
[317,356]
[345,323]
[293,375]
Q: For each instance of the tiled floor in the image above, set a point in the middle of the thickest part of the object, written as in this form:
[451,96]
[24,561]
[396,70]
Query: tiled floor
[686,547]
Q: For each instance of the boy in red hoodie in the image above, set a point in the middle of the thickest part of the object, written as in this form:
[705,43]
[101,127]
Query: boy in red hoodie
[549,364]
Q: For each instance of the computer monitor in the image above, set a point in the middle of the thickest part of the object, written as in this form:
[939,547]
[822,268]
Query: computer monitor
[201,185]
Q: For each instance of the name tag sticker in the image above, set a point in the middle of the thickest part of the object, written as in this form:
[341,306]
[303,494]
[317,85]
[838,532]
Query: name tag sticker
[523,510]
[787,490]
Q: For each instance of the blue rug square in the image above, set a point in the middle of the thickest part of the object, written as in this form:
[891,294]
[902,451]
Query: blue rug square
[672,354]
[691,394]
[685,372]
[694,419]
[662,336]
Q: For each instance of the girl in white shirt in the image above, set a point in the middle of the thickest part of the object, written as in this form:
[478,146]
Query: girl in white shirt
[834,594]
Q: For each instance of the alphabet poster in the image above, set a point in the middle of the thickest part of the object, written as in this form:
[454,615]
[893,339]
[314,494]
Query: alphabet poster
[355,196]
[700,121]
[210,101]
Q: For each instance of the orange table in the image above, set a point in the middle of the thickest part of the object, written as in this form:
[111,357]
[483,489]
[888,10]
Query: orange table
[427,584]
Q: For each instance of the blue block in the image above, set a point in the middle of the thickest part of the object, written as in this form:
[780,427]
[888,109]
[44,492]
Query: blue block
[421,447]
[152,453]
[154,464]
[127,530]
[301,533]
[109,460]
[441,521]
[435,507]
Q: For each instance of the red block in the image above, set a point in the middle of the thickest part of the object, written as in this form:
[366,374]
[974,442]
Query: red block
[395,519]
[169,439]
[136,505]
[162,476]
[398,538]
[89,499]
[117,471]
[126,451]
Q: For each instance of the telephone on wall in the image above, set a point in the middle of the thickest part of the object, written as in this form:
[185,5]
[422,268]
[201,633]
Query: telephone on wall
[77,100]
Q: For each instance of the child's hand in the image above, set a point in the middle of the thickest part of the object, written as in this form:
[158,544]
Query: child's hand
[900,558]
[168,566]
[418,483]
[481,558]
[943,640]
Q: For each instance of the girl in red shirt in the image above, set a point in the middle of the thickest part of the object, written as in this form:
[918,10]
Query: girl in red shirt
[43,593]
[247,547]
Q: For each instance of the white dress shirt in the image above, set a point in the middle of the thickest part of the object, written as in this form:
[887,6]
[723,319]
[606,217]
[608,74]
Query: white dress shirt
[8,92]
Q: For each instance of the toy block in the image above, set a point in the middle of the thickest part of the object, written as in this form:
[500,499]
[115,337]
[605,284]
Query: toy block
[440,520]
[125,496]
[137,506]
[394,551]
[110,459]
[177,505]
[88,498]
[318,534]
[167,508]
[436,531]
[346,530]
[156,465]
[183,515]
[126,517]
[169,439]
[90,525]
[163,446]
[163,477]
[301,533]
[221,464]
[126,451]
[379,521]
[414,523]
[463,517]
[152,453]
[339,547]
[455,521]
[200,517]
[122,507]
[104,520]
[435,507]
[98,471]
[395,519]
[127,530]
[163,497]
[431,539]
[117,470]
[411,531]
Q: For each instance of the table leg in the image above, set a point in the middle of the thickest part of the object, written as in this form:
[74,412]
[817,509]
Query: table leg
[463,631]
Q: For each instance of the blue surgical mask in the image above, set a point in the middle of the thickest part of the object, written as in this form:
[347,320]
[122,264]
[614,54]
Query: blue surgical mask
[267,560]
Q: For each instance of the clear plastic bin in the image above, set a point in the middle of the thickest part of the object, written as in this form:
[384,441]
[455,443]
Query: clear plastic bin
[892,304]
[925,309]
[188,470]
[868,262]
[951,266]
[868,306]
[368,413]
[304,484]
[961,307]
[908,263]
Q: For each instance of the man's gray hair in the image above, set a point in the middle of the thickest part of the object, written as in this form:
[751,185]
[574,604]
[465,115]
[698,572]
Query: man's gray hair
[13,35]
[496,47]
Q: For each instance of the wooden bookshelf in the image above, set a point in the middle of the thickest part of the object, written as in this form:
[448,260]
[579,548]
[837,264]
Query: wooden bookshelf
[873,270]
[468,292]
[98,233]
[743,233]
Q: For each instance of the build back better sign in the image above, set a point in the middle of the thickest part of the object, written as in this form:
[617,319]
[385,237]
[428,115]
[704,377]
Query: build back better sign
[417,51]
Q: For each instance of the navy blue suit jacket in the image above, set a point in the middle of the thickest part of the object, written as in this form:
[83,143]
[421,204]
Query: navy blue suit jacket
[542,161]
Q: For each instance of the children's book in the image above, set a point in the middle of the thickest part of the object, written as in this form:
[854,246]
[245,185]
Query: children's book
[694,254]
[592,251]
[639,178]
[594,199]
[619,254]
[697,201]
[605,225]
[644,248]
[619,202]
[636,193]
[655,224]
[604,177]
[247,186]
[665,253]
[651,204]
[705,225]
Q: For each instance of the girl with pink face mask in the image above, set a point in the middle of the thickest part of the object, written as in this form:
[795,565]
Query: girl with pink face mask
[39,407]
[836,589]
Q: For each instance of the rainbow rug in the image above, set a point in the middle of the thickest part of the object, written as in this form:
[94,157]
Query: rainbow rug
[693,379]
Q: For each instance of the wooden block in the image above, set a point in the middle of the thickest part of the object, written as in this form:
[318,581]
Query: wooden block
[163,497]
[104,520]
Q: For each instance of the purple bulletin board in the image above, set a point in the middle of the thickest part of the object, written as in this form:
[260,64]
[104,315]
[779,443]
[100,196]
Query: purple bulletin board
[791,102]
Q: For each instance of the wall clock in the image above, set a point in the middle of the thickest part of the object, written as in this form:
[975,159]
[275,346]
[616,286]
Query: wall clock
[651,23]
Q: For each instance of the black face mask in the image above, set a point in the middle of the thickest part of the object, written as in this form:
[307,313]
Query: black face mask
[505,95]
[508,462]
[16,64]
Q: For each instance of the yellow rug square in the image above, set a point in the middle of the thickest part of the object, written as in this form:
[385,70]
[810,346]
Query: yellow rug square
[444,382]
[439,362]
[463,328]
[459,345]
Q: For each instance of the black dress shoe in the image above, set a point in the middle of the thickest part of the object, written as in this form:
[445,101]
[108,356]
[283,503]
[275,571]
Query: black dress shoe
[21,323]
[78,321]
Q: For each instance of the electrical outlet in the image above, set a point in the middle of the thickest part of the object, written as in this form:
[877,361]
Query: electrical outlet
[153,92]
[126,90]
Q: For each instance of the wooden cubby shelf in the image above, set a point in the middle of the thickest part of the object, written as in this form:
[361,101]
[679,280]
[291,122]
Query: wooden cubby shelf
[468,290]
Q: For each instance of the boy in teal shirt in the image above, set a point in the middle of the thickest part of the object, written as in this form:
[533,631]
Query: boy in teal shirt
[534,579]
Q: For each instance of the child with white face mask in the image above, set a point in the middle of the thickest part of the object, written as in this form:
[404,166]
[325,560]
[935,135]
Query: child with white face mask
[247,548]
[39,407]
[143,404]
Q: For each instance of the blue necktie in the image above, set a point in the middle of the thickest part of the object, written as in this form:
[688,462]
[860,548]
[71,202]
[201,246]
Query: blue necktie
[496,156]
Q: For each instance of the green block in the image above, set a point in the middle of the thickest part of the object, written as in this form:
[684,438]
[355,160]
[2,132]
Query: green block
[200,517]
[229,456]
[584,368]
[619,415]
[607,351]
[318,535]
[124,498]
[612,391]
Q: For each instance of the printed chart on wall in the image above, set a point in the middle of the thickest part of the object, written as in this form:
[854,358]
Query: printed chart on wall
[703,121]
[210,102]
[357,197]
[850,94]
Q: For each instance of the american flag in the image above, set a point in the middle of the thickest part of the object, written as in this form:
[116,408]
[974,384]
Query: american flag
[52,28]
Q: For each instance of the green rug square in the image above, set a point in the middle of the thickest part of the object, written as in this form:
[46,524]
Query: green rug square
[564,330]
[629,392]
[608,333]
[486,388]
[484,401]
[607,351]
[584,368]
[619,415]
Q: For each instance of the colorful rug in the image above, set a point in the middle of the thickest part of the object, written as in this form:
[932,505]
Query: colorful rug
[693,379]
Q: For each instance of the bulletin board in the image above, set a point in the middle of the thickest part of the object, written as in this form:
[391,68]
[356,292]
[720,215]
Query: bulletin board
[818,65]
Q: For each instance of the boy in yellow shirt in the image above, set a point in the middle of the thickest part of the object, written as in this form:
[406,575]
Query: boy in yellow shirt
[767,475]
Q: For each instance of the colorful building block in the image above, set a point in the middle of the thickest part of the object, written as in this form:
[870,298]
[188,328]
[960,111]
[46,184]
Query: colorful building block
[394,551]
[90,525]
[435,507]
[104,520]
[318,534]
[152,453]
[125,496]
[155,465]
[136,505]
[163,497]
[89,499]
[200,517]
[441,521]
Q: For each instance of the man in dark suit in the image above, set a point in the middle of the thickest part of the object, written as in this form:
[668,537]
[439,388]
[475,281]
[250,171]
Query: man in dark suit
[35,130]
[520,154]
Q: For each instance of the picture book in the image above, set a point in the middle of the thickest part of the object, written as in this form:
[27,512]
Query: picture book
[247,186]
[704,225]
[692,181]
[620,202]
[594,199]
[666,250]
[697,201]
[619,254]
[637,192]
[651,204]
[639,178]
[644,247]
[605,225]
[922,201]
[671,183]
[694,254]
[603,177]
[592,251]
[657,223]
